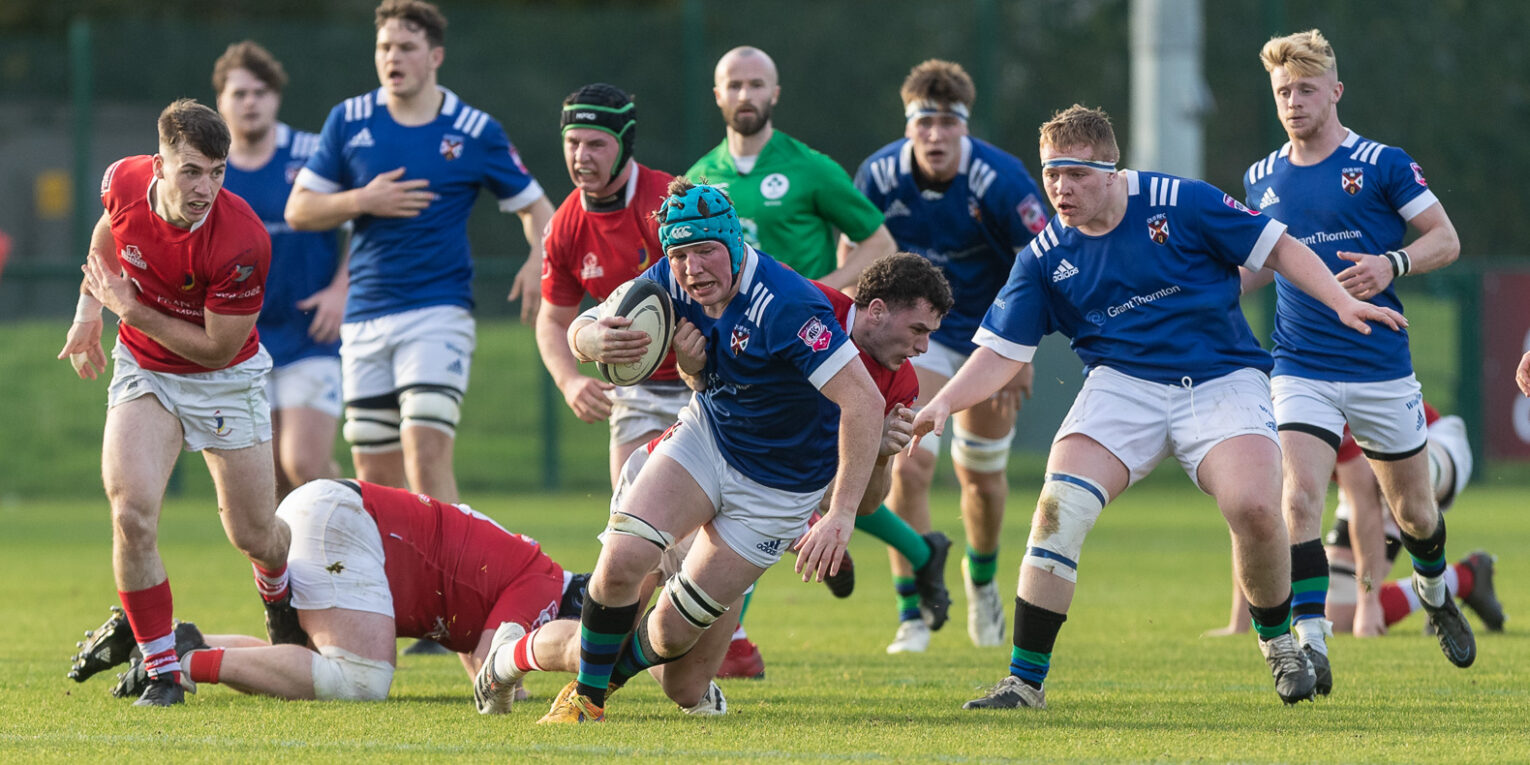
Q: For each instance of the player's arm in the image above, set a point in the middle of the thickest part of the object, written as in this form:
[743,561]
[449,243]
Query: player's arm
[586,396]
[982,375]
[1436,247]
[860,432]
[897,431]
[527,289]
[212,346]
[690,347]
[1367,534]
[1253,281]
[1302,267]
[854,257]
[311,207]
[82,346]
[1522,374]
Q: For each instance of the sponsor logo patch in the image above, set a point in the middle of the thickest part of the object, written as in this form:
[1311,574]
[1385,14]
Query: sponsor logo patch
[1063,271]
[1269,198]
[896,210]
[1236,205]
[361,140]
[682,232]
[242,273]
[1418,175]
[1031,214]
[815,335]
[131,254]
[591,267]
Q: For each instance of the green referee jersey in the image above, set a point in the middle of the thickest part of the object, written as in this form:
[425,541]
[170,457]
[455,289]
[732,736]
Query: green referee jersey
[791,202]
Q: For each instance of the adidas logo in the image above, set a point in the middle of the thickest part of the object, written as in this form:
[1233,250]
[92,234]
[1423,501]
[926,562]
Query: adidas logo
[455,367]
[896,209]
[1269,198]
[362,139]
[1063,271]
[771,547]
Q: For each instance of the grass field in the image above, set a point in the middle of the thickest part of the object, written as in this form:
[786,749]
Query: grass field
[1131,678]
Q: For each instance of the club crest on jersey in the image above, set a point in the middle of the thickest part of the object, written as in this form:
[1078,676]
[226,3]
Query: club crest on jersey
[1158,228]
[739,341]
[591,267]
[242,272]
[131,254]
[815,335]
[292,170]
[451,147]
[188,283]
[1418,175]
[1352,180]
[1236,205]
[973,209]
[775,186]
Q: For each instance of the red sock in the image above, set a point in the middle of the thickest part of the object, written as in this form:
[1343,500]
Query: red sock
[525,660]
[270,583]
[1464,580]
[149,612]
[1394,604]
[204,665]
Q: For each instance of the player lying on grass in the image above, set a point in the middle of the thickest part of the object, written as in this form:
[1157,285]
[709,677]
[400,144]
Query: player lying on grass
[1365,540]
[900,300]
[369,564]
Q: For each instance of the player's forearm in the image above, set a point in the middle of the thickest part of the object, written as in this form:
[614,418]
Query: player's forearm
[534,220]
[185,339]
[553,345]
[876,486]
[1303,268]
[309,210]
[1437,247]
[984,373]
[860,433]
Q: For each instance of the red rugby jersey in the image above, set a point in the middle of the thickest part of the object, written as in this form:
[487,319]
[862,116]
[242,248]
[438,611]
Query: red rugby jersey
[897,387]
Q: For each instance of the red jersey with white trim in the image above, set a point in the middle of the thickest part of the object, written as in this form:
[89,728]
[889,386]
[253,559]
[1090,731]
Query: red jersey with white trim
[217,265]
[448,565]
[899,387]
[1349,450]
[594,252]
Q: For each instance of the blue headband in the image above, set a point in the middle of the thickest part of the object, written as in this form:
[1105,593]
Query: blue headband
[1109,167]
[702,214]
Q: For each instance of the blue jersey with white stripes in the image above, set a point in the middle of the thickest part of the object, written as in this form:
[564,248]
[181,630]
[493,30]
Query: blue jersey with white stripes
[399,264]
[971,230]
[302,262]
[1359,199]
[774,346]
[1155,298]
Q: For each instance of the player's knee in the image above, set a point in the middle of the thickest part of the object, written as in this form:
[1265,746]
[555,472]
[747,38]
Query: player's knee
[912,471]
[431,406]
[980,454]
[691,602]
[1067,510]
[340,674]
[133,524]
[372,426]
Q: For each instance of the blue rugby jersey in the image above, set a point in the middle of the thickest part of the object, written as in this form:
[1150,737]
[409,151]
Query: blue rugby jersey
[1155,298]
[774,346]
[1358,199]
[399,264]
[971,231]
[302,262]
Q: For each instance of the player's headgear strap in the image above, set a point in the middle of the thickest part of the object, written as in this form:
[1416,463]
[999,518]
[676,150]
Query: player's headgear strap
[913,110]
[1109,167]
[608,109]
[701,214]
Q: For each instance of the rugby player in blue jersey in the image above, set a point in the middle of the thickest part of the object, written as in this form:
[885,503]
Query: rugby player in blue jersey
[779,387]
[1140,271]
[967,207]
[406,162]
[305,295]
[1351,200]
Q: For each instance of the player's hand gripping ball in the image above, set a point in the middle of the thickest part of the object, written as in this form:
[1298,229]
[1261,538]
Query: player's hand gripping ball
[647,305]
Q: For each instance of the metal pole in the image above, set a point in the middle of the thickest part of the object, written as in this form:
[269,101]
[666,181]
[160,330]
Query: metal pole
[84,170]
[551,400]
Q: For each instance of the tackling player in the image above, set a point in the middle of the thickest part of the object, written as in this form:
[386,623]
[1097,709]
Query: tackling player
[602,236]
[968,207]
[182,263]
[1352,200]
[371,564]
[305,298]
[745,465]
[790,198]
[1140,270]
[406,162]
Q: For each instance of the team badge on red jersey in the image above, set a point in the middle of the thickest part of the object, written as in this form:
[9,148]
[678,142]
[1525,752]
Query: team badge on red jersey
[451,147]
[189,283]
[242,272]
[1158,228]
[739,341]
[1352,180]
[131,254]
[815,335]
[591,268]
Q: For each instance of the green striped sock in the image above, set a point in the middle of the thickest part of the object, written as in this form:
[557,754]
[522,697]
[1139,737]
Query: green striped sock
[981,567]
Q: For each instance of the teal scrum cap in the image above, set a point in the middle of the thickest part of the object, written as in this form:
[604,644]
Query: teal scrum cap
[701,214]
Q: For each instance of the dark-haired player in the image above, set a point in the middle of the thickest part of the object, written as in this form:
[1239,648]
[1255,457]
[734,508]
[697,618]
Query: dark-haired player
[182,263]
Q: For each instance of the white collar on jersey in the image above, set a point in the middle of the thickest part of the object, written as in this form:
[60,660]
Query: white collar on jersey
[148,196]
[448,104]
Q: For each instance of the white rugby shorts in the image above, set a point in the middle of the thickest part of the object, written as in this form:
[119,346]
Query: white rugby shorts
[222,409]
[311,383]
[1142,422]
[1386,418]
[336,558]
[637,410]
[940,359]
[426,346]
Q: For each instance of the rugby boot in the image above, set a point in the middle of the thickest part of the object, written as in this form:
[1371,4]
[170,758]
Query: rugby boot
[985,612]
[712,703]
[1322,671]
[495,696]
[1484,598]
[136,680]
[913,637]
[742,660]
[570,707]
[930,582]
[161,692]
[1450,627]
[104,647]
[1010,693]
[282,625]
[1294,678]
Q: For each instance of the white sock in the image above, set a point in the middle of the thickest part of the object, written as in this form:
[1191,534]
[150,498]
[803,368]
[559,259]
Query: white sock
[504,659]
[1432,588]
[1310,633]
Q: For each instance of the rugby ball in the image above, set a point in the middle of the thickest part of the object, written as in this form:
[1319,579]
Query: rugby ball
[647,305]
